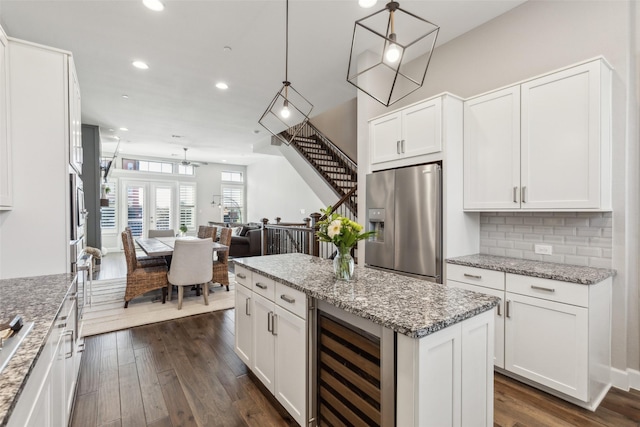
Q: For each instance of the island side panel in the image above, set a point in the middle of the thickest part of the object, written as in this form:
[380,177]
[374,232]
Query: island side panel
[435,386]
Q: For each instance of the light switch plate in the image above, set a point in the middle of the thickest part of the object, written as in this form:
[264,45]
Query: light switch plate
[543,249]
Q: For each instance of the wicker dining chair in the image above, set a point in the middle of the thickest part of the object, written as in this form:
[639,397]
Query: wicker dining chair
[143,261]
[221,266]
[205,231]
[141,280]
[162,233]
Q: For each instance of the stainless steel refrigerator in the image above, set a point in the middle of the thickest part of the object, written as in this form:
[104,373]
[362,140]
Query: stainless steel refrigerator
[404,206]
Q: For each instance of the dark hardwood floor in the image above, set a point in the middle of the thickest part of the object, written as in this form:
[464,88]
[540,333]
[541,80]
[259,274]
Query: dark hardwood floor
[185,373]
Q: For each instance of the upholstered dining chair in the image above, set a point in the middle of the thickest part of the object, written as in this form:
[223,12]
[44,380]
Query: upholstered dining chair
[221,266]
[142,261]
[162,233]
[191,265]
[141,279]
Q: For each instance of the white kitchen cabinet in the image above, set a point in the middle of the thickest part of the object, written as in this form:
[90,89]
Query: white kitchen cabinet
[544,144]
[6,187]
[271,337]
[75,122]
[550,334]
[413,131]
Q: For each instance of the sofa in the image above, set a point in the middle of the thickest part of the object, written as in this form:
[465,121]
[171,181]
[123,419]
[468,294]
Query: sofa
[248,241]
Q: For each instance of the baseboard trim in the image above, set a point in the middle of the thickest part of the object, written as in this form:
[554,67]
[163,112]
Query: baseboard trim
[625,379]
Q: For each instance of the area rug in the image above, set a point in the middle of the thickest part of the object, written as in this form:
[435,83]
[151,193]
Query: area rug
[106,313]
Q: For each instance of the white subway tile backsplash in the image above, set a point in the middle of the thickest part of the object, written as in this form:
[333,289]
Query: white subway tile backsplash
[579,238]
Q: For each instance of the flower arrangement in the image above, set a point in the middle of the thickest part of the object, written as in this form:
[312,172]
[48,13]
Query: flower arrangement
[343,233]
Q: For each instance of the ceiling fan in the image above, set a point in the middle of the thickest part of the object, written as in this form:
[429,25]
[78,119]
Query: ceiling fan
[186,162]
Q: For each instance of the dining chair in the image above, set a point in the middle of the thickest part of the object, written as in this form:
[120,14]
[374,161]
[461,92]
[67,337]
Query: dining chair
[221,266]
[191,266]
[141,279]
[205,231]
[162,233]
[142,261]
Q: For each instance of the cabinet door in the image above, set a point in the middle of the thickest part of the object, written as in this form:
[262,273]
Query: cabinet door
[243,324]
[69,354]
[75,122]
[547,342]
[498,354]
[560,139]
[422,128]
[385,136]
[263,341]
[492,150]
[290,363]
[6,197]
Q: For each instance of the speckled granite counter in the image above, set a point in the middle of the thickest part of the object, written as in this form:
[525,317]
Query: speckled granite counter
[36,299]
[412,307]
[545,270]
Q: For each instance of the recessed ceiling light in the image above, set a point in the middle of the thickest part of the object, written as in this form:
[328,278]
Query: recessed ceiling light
[154,5]
[222,85]
[367,3]
[141,65]
[125,96]
[124,129]
[224,161]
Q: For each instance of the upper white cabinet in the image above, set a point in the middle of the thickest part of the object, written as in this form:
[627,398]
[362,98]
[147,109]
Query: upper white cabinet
[6,194]
[413,131]
[75,122]
[542,145]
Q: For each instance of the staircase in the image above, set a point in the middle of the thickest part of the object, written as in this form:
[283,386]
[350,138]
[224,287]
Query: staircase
[337,169]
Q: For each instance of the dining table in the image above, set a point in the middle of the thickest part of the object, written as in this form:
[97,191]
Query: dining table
[163,246]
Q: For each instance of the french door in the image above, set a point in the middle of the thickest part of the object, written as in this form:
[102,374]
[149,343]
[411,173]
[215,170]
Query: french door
[148,206]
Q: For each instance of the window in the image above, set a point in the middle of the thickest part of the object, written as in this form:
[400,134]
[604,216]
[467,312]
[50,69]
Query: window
[108,220]
[232,176]
[147,166]
[135,209]
[232,203]
[185,170]
[163,215]
[188,206]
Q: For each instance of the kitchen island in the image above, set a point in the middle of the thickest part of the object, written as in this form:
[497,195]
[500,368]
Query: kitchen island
[422,353]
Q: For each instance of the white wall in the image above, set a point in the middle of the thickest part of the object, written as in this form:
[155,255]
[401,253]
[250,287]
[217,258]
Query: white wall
[537,37]
[274,189]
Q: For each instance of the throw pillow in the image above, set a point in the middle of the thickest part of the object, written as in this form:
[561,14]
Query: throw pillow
[235,231]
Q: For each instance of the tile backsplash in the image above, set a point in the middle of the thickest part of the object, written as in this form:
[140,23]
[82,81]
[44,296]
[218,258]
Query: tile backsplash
[579,238]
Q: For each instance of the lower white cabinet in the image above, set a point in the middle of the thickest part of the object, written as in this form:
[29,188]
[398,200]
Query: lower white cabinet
[551,334]
[271,338]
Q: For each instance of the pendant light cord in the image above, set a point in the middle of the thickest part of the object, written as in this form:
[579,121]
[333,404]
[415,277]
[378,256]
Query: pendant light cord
[286,55]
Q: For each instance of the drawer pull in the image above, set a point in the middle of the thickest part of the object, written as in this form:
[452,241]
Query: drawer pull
[541,288]
[270,322]
[242,276]
[287,298]
[261,285]
[473,276]
[498,308]
[246,306]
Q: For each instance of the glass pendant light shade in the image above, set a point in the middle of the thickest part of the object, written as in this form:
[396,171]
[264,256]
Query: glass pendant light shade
[390,53]
[287,113]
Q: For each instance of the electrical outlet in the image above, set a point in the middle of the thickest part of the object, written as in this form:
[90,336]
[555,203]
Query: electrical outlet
[543,249]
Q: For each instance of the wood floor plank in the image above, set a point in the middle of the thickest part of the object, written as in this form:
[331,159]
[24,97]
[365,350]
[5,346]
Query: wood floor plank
[108,396]
[177,405]
[85,411]
[89,379]
[125,347]
[154,405]
[162,422]
[131,407]
[109,360]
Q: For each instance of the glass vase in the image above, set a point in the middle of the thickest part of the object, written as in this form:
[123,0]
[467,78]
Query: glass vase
[343,264]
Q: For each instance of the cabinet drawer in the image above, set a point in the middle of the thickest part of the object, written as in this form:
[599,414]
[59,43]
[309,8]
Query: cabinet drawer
[292,299]
[263,286]
[552,290]
[243,276]
[476,276]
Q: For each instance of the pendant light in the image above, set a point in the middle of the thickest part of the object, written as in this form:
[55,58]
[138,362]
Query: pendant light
[390,53]
[289,111]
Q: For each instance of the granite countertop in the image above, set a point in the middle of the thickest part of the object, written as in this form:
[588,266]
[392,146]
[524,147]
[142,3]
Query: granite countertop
[37,299]
[546,270]
[409,306]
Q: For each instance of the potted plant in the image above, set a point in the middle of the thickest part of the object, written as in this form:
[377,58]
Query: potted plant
[104,201]
[183,230]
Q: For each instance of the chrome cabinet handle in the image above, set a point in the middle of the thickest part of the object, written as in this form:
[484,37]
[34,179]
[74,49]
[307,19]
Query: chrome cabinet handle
[498,306]
[287,298]
[261,285]
[246,306]
[515,194]
[508,311]
[242,276]
[398,147]
[542,288]
[524,194]
[473,276]
[402,145]
[274,324]
[270,321]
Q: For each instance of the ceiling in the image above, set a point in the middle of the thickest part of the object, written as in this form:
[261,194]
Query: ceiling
[175,103]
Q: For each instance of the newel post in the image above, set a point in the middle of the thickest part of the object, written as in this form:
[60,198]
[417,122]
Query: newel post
[315,250]
[264,235]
